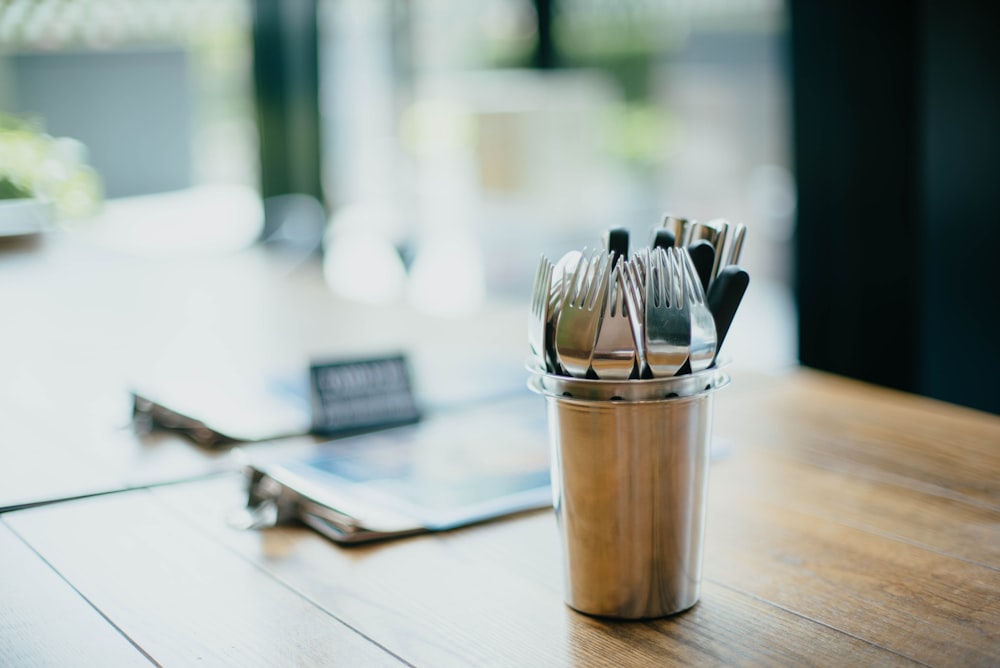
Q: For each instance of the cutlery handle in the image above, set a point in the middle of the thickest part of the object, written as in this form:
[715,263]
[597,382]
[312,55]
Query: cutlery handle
[724,299]
[703,258]
[664,239]
[722,241]
[676,226]
[617,241]
[736,246]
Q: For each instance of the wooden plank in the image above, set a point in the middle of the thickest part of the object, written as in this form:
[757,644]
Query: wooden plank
[491,595]
[830,536]
[955,526]
[870,510]
[920,603]
[780,535]
[727,626]
[44,622]
[870,432]
[180,595]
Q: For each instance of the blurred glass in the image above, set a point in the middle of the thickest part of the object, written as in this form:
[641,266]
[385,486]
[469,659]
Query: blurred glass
[158,98]
[434,114]
[160,91]
[449,160]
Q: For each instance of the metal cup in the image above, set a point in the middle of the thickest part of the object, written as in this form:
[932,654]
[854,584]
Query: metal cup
[630,467]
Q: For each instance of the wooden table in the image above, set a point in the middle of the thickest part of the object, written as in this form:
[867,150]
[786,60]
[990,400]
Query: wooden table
[847,525]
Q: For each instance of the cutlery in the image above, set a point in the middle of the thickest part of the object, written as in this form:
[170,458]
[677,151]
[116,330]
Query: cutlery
[564,267]
[616,242]
[703,256]
[724,299]
[736,246]
[614,351]
[580,316]
[664,311]
[676,225]
[695,231]
[634,283]
[667,327]
[721,239]
[703,333]
[540,304]
[664,238]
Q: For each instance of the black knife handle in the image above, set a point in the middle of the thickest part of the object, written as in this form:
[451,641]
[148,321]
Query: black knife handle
[724,299]
[617,240]
[664,238]
[703,258]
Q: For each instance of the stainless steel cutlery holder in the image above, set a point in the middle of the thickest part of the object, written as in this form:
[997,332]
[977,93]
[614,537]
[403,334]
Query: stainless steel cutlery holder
[630,463]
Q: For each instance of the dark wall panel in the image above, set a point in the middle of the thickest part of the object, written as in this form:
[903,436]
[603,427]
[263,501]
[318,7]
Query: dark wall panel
[897,134]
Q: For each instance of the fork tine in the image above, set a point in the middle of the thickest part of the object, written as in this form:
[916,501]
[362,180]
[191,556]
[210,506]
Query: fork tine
[587,279]
[649,280]
[579,320]
[696,294]
[634,284]
[658,277]
[668,278]
[544,288]
[542,276]
[677,278]
[599,282]
[637,266]
[704,337]
[615,303]
[614,350]
[538,315]
[606,274]
[572,284]
[592,279]
[635,298]
[667,329]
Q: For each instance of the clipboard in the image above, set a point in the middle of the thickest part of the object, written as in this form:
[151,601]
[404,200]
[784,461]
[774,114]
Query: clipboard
[335,398]
[452,469]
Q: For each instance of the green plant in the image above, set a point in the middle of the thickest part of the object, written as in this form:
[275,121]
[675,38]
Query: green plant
[36,165]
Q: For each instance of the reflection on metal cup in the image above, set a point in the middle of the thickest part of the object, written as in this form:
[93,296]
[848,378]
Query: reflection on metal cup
[629,479]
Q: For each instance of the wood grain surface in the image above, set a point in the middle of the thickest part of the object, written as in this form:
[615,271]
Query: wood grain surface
[44,621]
[83,324]
[847,524]
[177,593]
[820,551]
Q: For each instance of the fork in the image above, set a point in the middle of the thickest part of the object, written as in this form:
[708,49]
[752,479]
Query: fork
[634,273]
[703,335]
[561,273]
[539,315]
[667,327]
[580,314]
[614,351]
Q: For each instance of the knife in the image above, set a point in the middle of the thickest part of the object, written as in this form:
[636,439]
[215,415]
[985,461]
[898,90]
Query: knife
[664,238]
[722,240]
[676,225]
[724,299]
[617,243]
[703,258]
[736,246]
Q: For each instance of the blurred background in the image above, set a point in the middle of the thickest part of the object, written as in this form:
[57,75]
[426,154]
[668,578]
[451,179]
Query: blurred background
[426,151]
